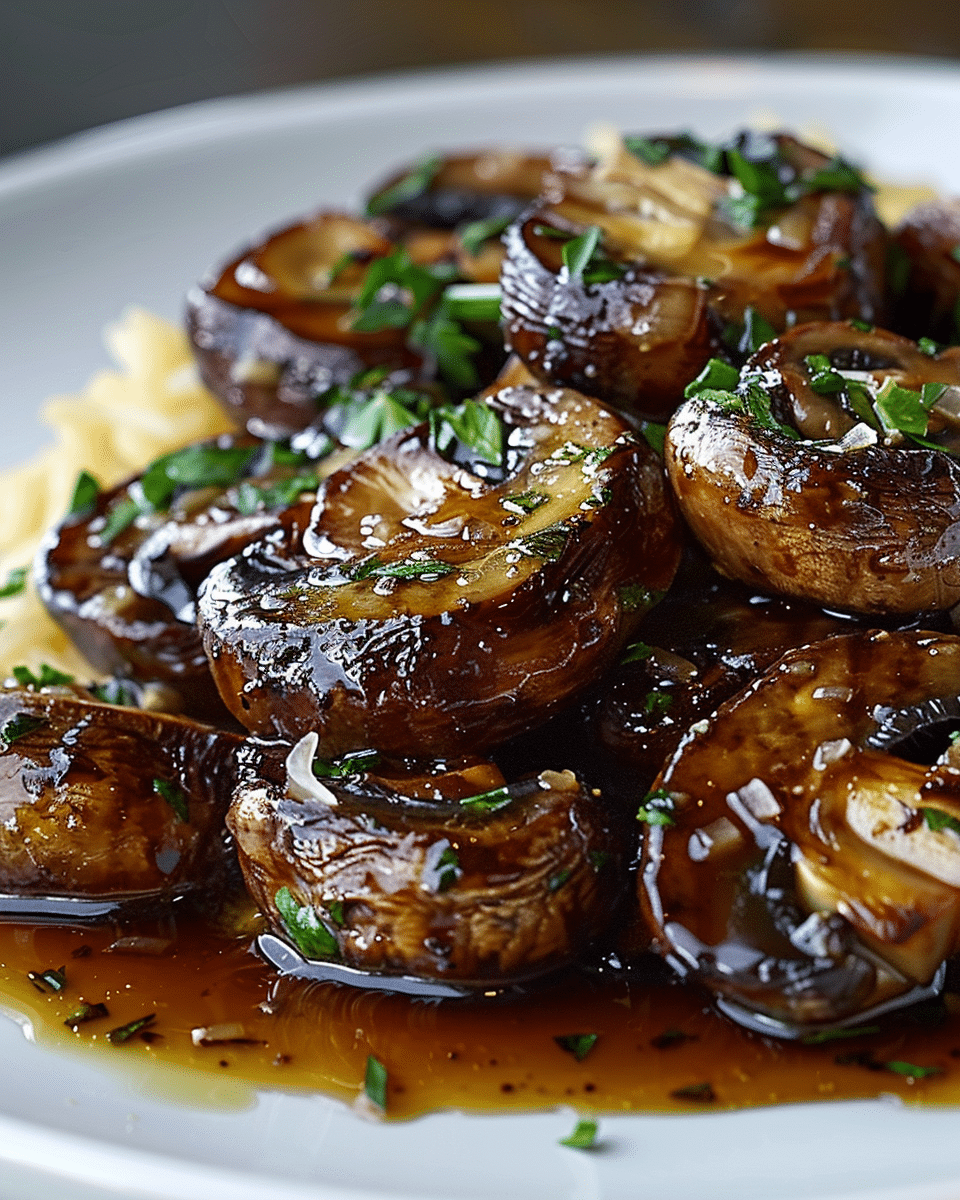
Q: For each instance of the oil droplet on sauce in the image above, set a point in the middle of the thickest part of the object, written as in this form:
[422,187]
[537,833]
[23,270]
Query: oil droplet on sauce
[217,1009]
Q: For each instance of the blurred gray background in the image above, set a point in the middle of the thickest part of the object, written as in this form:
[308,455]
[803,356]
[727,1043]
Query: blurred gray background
[66,65]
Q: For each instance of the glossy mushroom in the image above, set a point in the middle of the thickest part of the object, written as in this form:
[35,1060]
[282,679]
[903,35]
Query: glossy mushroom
[103,806]
[442,602]
[797,863]
[687,244]
[861,512]
[925,271]
[121,570]
[431,881]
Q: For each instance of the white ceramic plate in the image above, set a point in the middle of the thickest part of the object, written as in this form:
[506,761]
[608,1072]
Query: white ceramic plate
[133,214]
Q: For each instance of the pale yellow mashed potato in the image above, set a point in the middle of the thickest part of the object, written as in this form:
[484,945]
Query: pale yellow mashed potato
[153,402]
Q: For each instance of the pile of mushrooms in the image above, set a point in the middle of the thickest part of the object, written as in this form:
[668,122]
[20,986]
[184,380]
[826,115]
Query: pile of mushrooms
[581,516]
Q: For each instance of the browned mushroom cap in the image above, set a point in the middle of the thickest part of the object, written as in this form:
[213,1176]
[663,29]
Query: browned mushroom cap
[480,890]
[791,865]
[120,572]
[272,330]
[704,642]
[926,271]
[682,252]
[102,806]
[431,607]
[866,522]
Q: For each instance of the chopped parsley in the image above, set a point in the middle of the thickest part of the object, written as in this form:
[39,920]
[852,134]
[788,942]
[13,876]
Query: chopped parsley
[584,1136]
[657,808]
[85,1012]
[448,869]
[470,434]
[491,801]
[937,820]
[198,466]
[306,930]
[834,1035]
[584,260]
[359,418]
[577,1044]
[656,703]
[18,727]
[524,503]
[474,235]
[556,882]
[85,493]
[699,1093]
[46,677]
[717,375]
[824,379]
[51,980]
[426,570]
[354,763]
[251,497]
[124,1033]
[375,1081]
[636,652]
[747,338]
[16,582]
[411,185]
[548,543]
[174,797]
[120,516]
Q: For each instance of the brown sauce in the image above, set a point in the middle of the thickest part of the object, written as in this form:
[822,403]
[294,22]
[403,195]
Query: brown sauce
[659,1046]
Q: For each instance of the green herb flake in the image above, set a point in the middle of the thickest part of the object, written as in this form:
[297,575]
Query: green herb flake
[335,913]
[834,1035]
[578,251]
[354,763]
[699,1093]
[823,377]
[900,409]
[577,1044]
[413,184]
[375,1081]
[598,859]
[929,347]
[584,1136]
[85,1013]
[955,253]
[120,516]
[651,151]
[174,797]
[472,301]
[556,882]
[937,820]
[524,503]
[51,980]
[273,497]
[47,677]
[124,1033]
[424,570]
[16,582]
[491,801]
[657,808]
[548,543]
[306,930]
[115,691]
[656,703]
[206,465]
[636,652]
[718,374]
[654,434]
[474,235]
[448,869]
[85,493]
[910,1070]
[18,727]
[471,426]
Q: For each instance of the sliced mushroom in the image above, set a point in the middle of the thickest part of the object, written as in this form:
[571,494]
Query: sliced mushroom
[867,521]
[705,641]
[443,606]
[104,806]
[120,572]
[791,863]
[272,330]
[926,271]
[443,886]
[682,258]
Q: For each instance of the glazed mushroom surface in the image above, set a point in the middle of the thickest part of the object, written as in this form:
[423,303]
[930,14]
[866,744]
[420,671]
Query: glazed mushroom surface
[631,272]
[479,889]
[103,806]
[795,862]
[861,513]
[520,578]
